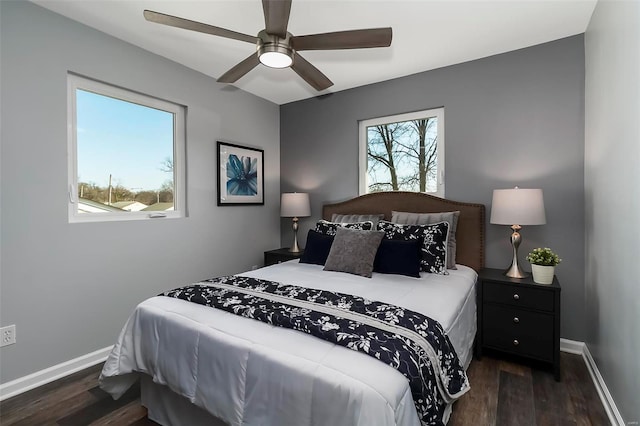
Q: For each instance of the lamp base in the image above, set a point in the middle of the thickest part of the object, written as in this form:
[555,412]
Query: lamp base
[514,270]
[294,248]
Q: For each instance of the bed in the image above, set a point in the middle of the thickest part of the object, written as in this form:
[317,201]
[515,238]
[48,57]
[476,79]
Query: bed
[199,365]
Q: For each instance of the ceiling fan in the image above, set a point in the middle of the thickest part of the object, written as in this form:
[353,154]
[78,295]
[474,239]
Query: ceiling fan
[277,48]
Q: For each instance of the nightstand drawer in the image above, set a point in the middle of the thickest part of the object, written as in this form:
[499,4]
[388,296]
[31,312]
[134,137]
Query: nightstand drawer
[518,331]
[518,296]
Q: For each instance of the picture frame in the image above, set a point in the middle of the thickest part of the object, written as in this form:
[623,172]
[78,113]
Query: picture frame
[240,175]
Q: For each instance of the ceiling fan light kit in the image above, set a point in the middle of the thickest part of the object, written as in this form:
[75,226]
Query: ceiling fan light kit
[275,58]
[274,51]
[276,48]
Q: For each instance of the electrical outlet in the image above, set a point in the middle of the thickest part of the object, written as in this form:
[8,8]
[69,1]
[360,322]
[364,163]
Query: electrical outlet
[8,334]
[254,267]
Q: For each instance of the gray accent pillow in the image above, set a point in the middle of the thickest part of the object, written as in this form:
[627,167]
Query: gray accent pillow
[353,251]
[407,218]
[352,218]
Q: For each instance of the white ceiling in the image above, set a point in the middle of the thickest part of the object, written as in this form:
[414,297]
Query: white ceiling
[427,34]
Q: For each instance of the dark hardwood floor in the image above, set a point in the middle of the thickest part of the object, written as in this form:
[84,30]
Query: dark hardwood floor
[502,393]
[508,393]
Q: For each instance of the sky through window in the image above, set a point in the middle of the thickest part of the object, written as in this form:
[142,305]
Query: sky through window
[129,141]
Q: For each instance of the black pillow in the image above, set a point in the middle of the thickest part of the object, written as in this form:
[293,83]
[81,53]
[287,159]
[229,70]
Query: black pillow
[399,257]
[434,239]
[317,248]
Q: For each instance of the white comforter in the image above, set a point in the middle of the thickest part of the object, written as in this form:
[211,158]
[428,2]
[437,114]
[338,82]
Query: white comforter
[246,372]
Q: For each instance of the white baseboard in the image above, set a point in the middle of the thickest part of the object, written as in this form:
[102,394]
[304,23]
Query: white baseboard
[42,377]
[607,400]
[580,348]
[572,347]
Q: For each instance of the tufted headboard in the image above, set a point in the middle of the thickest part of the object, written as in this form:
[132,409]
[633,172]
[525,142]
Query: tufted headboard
[470,232]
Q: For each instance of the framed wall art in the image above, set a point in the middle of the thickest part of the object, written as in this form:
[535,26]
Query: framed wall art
[240,175]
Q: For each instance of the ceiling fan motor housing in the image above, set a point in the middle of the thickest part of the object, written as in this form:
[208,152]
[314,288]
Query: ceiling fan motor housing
[274,51]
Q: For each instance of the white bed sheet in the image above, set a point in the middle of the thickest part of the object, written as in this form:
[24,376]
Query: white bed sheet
[247,372]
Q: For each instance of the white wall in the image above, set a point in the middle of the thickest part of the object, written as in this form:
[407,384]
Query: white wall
[69,288]
[612,193]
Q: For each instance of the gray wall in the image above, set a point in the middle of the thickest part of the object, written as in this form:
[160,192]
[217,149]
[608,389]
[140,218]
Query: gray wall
[511,119]
[69,288]
[612,190]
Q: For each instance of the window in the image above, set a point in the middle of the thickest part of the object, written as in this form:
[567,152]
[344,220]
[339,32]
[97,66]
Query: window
[126,154]
[403,153]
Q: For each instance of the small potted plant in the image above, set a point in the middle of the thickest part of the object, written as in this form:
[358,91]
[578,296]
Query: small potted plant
[543,262]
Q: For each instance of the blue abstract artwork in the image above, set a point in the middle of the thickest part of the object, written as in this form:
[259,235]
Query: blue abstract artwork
[242,175]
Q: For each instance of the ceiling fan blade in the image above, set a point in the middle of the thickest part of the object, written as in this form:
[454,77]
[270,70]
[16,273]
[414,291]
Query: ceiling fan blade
[174,21]
[276,16]
[240,69]
[354,39]
[309,73]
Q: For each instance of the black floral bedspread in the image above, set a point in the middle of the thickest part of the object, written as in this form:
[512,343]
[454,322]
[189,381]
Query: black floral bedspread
[410,342]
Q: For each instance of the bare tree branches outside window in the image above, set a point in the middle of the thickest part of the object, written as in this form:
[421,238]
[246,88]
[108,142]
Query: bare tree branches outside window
[403,156]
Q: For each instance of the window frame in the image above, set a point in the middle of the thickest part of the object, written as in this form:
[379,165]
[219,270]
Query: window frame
[362,148]
[75,82]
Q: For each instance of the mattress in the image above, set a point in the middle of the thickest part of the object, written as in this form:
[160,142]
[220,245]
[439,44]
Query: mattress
[246,372]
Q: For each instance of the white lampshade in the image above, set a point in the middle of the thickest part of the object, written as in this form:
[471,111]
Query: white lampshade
[295,204]
[517,206]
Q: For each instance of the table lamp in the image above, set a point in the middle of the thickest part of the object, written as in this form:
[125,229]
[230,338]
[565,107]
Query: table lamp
[295,205]
[516,207]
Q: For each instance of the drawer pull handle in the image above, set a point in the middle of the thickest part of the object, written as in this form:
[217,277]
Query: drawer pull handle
[515,342]
[516,297]
[516,320]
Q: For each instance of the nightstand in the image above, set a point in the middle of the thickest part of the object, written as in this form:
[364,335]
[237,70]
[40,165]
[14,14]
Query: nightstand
[272,257]
[519,317]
